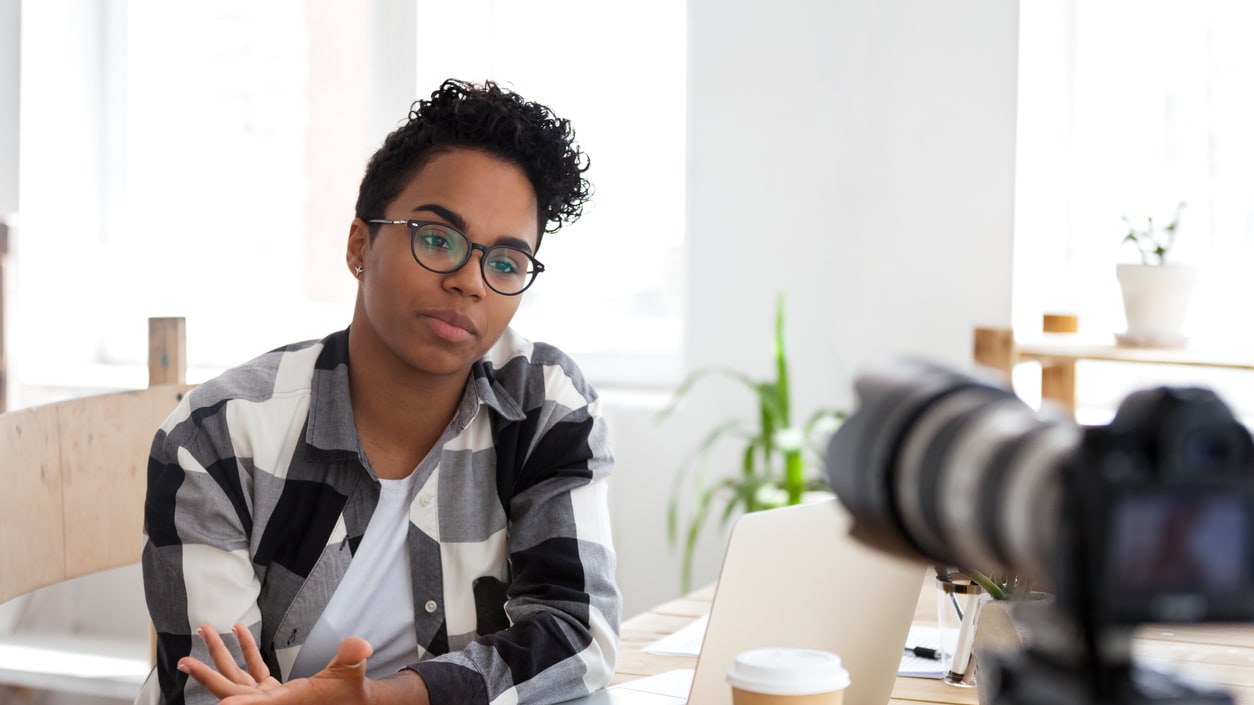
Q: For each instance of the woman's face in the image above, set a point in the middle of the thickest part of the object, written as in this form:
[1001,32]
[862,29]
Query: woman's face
[440,324]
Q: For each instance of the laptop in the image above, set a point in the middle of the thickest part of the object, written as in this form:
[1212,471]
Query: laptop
[793,577]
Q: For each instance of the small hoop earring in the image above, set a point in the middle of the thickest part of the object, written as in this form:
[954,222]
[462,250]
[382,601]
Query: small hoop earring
[358,270]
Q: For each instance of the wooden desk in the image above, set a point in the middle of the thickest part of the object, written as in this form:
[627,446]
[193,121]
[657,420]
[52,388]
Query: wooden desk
[1223,655]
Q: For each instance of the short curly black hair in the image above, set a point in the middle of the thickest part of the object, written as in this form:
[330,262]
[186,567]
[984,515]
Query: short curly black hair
[493,120]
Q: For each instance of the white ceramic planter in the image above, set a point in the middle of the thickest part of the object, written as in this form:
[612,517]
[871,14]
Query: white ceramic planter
[1155,300]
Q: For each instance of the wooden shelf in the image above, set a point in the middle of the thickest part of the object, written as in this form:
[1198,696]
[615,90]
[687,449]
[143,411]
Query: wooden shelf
[1058,353]
[1052,348]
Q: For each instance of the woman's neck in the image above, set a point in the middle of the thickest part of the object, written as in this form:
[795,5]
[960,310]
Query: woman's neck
[400,413]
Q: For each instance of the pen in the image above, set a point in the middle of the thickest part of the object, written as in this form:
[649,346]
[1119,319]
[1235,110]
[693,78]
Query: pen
[924,652]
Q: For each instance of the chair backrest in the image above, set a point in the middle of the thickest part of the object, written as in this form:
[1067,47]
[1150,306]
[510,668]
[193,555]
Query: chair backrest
[74,475]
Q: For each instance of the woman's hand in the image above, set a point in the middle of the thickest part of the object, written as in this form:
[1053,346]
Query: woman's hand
[342,681]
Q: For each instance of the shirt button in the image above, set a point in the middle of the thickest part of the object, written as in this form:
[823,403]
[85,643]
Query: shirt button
[430,606]
[424,500]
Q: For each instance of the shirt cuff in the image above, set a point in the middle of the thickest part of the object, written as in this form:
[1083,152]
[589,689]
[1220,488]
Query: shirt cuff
[450,684]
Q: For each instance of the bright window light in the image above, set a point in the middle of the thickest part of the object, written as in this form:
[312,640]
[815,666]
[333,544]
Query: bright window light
[202,160]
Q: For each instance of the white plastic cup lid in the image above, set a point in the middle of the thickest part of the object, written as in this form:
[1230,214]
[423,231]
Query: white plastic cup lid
[779,671]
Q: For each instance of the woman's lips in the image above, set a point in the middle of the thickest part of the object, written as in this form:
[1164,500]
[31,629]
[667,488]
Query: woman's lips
[451,326]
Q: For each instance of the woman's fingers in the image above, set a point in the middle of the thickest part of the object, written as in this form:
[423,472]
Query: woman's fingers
[214,682]
[342,681]
[222,656]
[252,655]
[229,679]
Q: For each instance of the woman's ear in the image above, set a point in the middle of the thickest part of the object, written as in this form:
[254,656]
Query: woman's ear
[358,247]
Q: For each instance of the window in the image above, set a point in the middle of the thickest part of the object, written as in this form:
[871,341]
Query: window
[1126,108]
[202,160]
[616,71]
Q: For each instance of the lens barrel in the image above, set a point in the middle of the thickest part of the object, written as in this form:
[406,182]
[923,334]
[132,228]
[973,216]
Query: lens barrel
[953,467]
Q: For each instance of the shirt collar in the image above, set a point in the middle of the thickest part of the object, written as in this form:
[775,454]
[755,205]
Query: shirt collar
[332,433]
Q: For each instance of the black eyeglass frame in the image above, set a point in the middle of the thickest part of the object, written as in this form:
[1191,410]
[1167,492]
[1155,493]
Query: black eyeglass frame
[416,225]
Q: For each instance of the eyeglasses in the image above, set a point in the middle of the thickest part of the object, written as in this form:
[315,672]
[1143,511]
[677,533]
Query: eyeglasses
[444,249]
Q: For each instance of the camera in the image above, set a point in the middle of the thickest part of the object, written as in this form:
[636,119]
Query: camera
[1149,518]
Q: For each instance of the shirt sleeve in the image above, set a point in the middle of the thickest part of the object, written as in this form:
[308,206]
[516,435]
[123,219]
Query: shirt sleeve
[562,602]
[196,564]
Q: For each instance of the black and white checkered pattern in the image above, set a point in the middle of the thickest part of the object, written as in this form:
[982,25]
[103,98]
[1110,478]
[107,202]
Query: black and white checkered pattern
[259,493]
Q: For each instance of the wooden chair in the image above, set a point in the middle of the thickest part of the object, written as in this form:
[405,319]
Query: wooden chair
[74,478]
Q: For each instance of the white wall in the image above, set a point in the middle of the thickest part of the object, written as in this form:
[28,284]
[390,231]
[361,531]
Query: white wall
[859,157]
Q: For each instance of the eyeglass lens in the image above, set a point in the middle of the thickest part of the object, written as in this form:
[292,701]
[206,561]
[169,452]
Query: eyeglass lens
[443,249]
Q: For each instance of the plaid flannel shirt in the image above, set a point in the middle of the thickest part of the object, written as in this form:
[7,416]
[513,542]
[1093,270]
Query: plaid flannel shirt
[259,493]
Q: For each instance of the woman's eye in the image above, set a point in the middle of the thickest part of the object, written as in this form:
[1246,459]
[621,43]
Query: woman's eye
[507,263]
[433,241]
[504,266]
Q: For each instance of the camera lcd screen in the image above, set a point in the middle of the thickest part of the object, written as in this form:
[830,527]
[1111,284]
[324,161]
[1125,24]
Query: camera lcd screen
[1172,542]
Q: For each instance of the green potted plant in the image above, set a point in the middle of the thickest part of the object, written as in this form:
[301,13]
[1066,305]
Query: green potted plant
[1153,242]
[779,462]
[1156,293]
[998,587]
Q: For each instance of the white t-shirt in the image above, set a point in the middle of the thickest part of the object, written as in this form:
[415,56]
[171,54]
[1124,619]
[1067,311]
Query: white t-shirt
[375,599]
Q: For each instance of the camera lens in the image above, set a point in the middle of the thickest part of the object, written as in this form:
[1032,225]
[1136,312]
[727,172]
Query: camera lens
[952,466]
[924,465]
[1148,518]
[1022,497]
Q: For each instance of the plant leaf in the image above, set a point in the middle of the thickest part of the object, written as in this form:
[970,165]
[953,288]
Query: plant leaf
[695,466]
[694,531]
[748,461]
[783,390]
[992,588]
[742,495]
[685,387]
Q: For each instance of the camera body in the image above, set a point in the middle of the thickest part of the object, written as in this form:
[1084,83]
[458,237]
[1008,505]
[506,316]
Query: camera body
[1147,519]
[1157,514]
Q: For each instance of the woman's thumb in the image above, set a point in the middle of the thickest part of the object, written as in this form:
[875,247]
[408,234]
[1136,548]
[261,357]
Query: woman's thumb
[351,655]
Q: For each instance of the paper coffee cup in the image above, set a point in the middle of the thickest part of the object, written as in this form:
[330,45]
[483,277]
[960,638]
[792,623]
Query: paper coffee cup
[779,676]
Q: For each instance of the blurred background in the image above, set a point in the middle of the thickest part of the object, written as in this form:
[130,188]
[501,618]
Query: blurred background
[901,171]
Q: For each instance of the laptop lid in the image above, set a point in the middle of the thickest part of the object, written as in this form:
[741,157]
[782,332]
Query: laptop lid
[793,577]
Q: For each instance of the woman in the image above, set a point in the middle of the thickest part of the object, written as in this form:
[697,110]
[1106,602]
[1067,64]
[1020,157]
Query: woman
[412,509]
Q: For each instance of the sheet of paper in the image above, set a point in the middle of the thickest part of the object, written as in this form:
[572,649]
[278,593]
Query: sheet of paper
[685,642]
[928,637]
